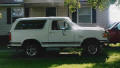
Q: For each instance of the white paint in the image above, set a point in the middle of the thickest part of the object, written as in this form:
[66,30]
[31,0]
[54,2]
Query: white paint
[76,34]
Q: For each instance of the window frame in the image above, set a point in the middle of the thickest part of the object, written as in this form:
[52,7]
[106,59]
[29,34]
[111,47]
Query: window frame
[15,14]
[91,15]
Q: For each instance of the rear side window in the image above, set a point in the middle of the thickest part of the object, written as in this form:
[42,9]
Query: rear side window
[30,24]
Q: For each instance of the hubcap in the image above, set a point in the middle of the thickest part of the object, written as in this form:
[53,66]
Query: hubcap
[31,51]
[92,49]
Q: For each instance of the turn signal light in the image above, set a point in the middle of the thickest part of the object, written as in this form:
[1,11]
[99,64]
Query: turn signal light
[105,35]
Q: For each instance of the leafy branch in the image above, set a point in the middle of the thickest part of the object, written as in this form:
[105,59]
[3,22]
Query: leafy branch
[100,4]
[72,4]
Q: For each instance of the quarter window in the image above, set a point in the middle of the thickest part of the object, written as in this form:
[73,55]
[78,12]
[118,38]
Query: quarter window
[31,24]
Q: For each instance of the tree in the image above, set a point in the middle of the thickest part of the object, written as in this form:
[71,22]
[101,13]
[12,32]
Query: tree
[72,4]
[100,4]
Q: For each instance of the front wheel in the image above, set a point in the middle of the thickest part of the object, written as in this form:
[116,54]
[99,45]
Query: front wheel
[92,48]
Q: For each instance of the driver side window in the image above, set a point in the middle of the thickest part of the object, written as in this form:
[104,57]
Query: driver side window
[59,25]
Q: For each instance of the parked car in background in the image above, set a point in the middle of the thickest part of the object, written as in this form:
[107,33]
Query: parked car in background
[114,33]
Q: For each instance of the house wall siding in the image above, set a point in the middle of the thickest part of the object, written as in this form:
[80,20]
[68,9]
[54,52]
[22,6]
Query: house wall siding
[41,11]
[103,18]
[37,12]
[62,11]
[4,27]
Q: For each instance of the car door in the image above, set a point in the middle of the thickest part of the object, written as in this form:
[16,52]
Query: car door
[118,33]
[60,33]
[114,34]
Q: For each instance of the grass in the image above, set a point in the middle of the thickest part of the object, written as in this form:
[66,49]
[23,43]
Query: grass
[110,59]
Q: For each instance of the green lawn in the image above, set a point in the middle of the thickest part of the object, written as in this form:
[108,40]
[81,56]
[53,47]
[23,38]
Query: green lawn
[110,59]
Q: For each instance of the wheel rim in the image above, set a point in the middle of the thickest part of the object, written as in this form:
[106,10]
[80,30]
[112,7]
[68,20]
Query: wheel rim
[31,51]
[92,49]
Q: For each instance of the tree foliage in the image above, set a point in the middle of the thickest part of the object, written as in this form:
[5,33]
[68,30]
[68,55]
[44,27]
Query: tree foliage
[100,4]
[72,4]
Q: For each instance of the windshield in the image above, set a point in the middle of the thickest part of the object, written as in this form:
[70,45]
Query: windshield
[114,25]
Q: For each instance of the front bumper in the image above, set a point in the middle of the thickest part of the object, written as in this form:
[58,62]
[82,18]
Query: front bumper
[104,42]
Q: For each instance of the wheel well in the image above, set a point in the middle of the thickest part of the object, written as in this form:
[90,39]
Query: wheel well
[31,41]
[89,39]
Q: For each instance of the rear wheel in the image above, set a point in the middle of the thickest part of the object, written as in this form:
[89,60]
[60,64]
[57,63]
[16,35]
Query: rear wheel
[32,49]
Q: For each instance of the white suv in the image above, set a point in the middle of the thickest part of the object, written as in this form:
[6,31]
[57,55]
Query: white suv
[35,34]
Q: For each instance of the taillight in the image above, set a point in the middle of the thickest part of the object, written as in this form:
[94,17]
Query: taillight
[9,36]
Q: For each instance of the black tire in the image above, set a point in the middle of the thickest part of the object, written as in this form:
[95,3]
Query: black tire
[32,49]
[92,48]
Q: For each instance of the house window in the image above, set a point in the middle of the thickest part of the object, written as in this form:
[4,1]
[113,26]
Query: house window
[86,15]
[17,12]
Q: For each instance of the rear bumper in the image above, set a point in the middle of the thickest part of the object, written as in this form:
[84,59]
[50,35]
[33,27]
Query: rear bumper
[14,45]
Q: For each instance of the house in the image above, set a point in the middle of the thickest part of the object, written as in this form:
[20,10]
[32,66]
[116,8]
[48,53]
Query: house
[43,8]
[9,10]
[85,16]
[88,16]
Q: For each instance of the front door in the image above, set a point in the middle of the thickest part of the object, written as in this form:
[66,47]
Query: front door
[60,33]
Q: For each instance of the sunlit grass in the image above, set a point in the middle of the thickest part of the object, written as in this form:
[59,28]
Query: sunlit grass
[88,65]
[113,58]
[115,45]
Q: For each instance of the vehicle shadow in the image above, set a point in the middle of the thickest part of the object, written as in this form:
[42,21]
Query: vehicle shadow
[59,59]
[48,60]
